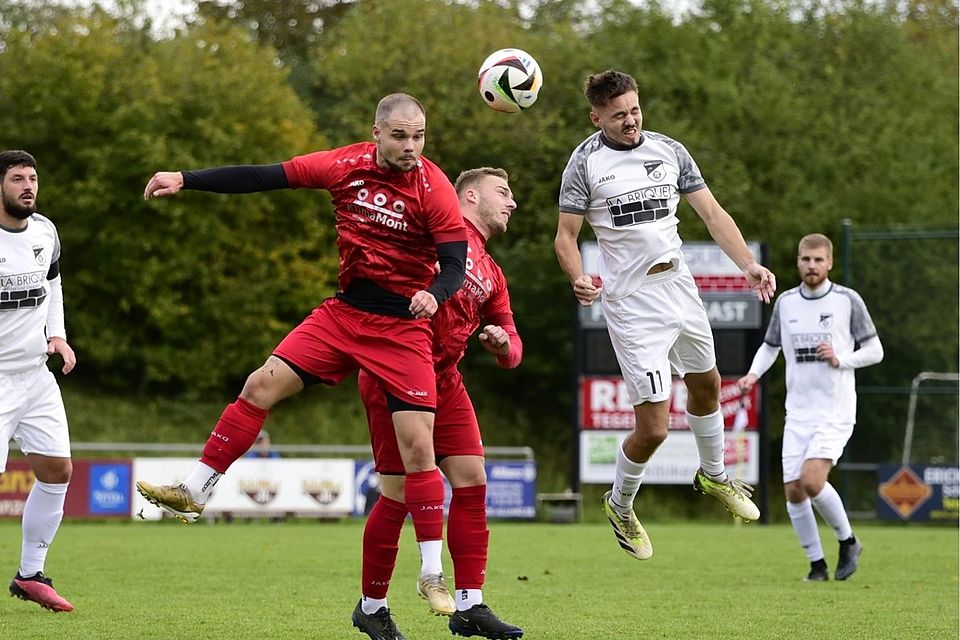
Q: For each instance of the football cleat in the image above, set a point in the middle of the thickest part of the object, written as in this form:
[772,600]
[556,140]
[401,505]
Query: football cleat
[818,572]
[480,620]
[734,495]
[433,589]
[849,555]
[630,534]
[379,625]
[175,500]
[39,588]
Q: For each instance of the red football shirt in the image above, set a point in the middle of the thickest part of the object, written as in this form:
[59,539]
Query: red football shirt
[388,222]
[483,295]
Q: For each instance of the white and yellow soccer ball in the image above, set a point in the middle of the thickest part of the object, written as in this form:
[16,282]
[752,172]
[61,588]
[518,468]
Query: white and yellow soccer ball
[509,80]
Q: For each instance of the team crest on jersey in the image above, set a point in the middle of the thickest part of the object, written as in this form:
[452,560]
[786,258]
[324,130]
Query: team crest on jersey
[655,170]
[38,254]
[826,319]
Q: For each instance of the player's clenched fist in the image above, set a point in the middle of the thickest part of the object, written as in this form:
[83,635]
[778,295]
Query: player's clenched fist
[495,340]
[163,183]
[586,290]
[423,304]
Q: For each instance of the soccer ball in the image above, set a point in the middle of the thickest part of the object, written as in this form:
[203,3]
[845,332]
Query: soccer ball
[509,80]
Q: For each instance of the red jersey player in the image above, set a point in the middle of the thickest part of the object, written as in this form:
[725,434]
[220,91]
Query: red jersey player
[397,215]
[487,204]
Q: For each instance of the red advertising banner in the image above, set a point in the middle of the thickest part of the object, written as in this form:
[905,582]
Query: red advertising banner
[98,489]
[604,404]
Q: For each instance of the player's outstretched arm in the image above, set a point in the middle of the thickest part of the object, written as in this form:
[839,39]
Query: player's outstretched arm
[727,234]
[571,262]
[248,178]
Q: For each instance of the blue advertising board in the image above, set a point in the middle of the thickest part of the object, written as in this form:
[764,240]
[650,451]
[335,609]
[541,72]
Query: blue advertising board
[511,489]
[109,489]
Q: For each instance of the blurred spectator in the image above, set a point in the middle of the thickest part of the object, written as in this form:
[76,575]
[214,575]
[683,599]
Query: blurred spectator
[261,447]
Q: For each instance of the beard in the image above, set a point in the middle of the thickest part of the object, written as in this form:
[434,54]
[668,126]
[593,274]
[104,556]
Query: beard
[17,210]
[491,219]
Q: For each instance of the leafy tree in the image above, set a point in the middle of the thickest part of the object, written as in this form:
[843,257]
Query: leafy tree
[290,27]
[190,292]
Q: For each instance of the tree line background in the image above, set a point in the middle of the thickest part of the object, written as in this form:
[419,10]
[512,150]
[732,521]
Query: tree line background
[800,114]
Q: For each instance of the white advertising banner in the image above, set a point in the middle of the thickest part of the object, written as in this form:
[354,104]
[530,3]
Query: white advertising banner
[675,462]
[260,487]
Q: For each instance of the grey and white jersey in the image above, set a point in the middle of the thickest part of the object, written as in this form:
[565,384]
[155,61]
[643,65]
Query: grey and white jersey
[630,198]
[816,392]
[26,258]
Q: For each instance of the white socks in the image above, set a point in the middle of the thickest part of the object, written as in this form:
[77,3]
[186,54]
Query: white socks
[467,598]
[626,482]
[42,513]
[708,432]
[830,507]
[805,524]
[430,557]
[201,481]
[371,605]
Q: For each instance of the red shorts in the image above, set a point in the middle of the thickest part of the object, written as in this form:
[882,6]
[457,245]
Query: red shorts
[455,428]
[336,339]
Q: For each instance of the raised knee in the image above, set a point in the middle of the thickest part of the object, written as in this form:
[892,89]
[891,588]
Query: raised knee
[703,389]
[258,390]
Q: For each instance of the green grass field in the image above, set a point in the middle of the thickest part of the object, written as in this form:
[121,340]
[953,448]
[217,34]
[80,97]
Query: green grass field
[262,580]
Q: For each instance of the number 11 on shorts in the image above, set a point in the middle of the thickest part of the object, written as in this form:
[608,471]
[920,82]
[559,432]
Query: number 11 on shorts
[656,382]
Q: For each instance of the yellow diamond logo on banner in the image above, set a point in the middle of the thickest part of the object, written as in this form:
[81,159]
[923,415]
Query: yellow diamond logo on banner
[905,492]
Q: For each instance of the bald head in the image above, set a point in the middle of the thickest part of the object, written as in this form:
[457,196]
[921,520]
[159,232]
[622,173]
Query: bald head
[398,104]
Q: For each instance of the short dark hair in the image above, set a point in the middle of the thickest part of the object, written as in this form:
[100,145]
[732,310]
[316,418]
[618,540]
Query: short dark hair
[15,158]
[601,88]
[470,177]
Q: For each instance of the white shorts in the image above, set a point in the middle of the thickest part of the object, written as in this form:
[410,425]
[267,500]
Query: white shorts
[660,325]
[807,441]
[32,413]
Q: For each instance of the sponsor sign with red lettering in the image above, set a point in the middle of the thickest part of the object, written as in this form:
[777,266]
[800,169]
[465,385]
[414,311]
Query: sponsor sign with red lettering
[604,404]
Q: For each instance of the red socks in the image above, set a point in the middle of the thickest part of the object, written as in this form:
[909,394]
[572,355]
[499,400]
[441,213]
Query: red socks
[381,538]
[468,537]
[235,432]
[423,492]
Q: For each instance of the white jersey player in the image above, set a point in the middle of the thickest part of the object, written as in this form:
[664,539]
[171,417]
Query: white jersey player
[825,332]
[31,408]
[627,183]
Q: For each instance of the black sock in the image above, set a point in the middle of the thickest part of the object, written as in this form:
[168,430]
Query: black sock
[851,540]
[819,564]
